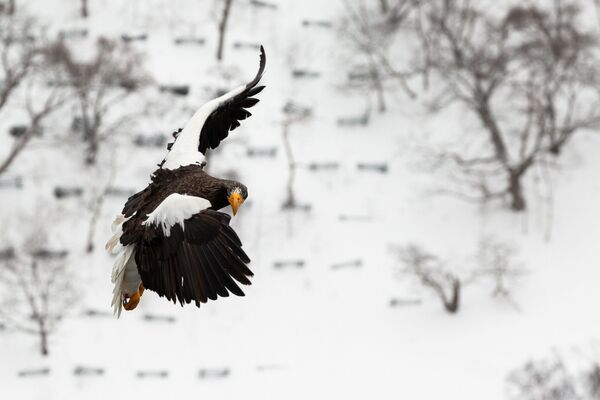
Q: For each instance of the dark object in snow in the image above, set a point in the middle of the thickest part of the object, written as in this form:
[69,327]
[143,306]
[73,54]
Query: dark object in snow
[140,37]
[34,372]
[47,254]
[396,302]
[153,374]
[360,74]
[11,182]
[58,83]
[62,192]
[357,218]
[348,264]
[128,84]
[321,24]
[187,40]
[96,313]
[7,254]
[156,140]
[159,318]
[18,131]
[246,45]
[362,120]
[73,33]
[178,90]
[323,166]
[88,371]
[291,108]
[268,152]
[211,373]
[296,206]
[289,264]
[375,167]
[119,191]
[263,4]
[303,73]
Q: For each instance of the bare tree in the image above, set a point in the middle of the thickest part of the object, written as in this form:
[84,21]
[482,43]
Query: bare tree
[546,379]
[496,262]
[36,115]
[433,274]
[23,69]
[99,85]
[530,78]
[98,202]
[289,120]
[375,34]
[223,27]
[36,288]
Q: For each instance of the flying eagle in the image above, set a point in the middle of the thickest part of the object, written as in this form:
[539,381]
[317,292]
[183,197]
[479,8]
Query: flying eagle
[171,237]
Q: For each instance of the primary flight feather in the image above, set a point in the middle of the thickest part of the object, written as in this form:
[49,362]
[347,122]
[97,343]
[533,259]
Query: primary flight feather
[171,237]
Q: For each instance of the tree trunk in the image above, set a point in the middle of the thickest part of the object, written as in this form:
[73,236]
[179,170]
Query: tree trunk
[43,338]
[290,201]
[515,189]
[452,305]
[84,9]
[11,7]
[378,90]
[92,151]
[223,28]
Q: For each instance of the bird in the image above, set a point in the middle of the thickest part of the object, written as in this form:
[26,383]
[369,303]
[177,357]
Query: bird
[171,237]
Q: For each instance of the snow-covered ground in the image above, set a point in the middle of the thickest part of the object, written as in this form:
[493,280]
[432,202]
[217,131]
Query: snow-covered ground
[314,332]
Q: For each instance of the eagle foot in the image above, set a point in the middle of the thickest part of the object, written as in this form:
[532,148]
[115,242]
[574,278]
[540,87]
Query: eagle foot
[134,300]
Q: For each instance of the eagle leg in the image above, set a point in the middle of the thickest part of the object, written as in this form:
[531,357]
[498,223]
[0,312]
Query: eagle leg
[134,300]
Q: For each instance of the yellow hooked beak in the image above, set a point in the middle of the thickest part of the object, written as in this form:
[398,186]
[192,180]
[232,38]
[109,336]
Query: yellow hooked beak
[236,201]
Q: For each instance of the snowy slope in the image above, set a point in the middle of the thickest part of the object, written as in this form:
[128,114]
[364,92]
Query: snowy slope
[312,332]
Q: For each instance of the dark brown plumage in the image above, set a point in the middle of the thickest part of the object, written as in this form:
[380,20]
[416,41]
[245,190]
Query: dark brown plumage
[195,262]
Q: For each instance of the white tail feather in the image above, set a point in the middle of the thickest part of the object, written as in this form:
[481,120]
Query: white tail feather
[113,246]
[125,261]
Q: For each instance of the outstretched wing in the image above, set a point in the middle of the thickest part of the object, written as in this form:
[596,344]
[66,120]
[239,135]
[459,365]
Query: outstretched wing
[188,253]
[228,115]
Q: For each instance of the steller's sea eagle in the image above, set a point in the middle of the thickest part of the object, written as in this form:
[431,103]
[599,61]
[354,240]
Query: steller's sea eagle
[170,237]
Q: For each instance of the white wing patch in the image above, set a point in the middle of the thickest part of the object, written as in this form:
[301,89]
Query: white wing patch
[125,277]
[185,149]
[174,210]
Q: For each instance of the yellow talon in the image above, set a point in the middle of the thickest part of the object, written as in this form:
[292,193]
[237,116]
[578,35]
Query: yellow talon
[134,300]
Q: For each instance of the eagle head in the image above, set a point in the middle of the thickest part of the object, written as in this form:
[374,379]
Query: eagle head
[236,195]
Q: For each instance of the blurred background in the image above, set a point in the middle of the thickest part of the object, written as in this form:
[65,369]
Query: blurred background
[423,197]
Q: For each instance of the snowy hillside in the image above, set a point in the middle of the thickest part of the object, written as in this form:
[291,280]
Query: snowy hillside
[332,312]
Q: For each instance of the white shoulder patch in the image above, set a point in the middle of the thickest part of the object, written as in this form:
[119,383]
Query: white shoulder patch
[174,210]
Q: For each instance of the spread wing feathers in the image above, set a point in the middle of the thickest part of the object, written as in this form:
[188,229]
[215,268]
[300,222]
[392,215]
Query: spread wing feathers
[199,259]
[228,115]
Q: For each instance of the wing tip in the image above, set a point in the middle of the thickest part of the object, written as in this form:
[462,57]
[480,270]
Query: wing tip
[261,68]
